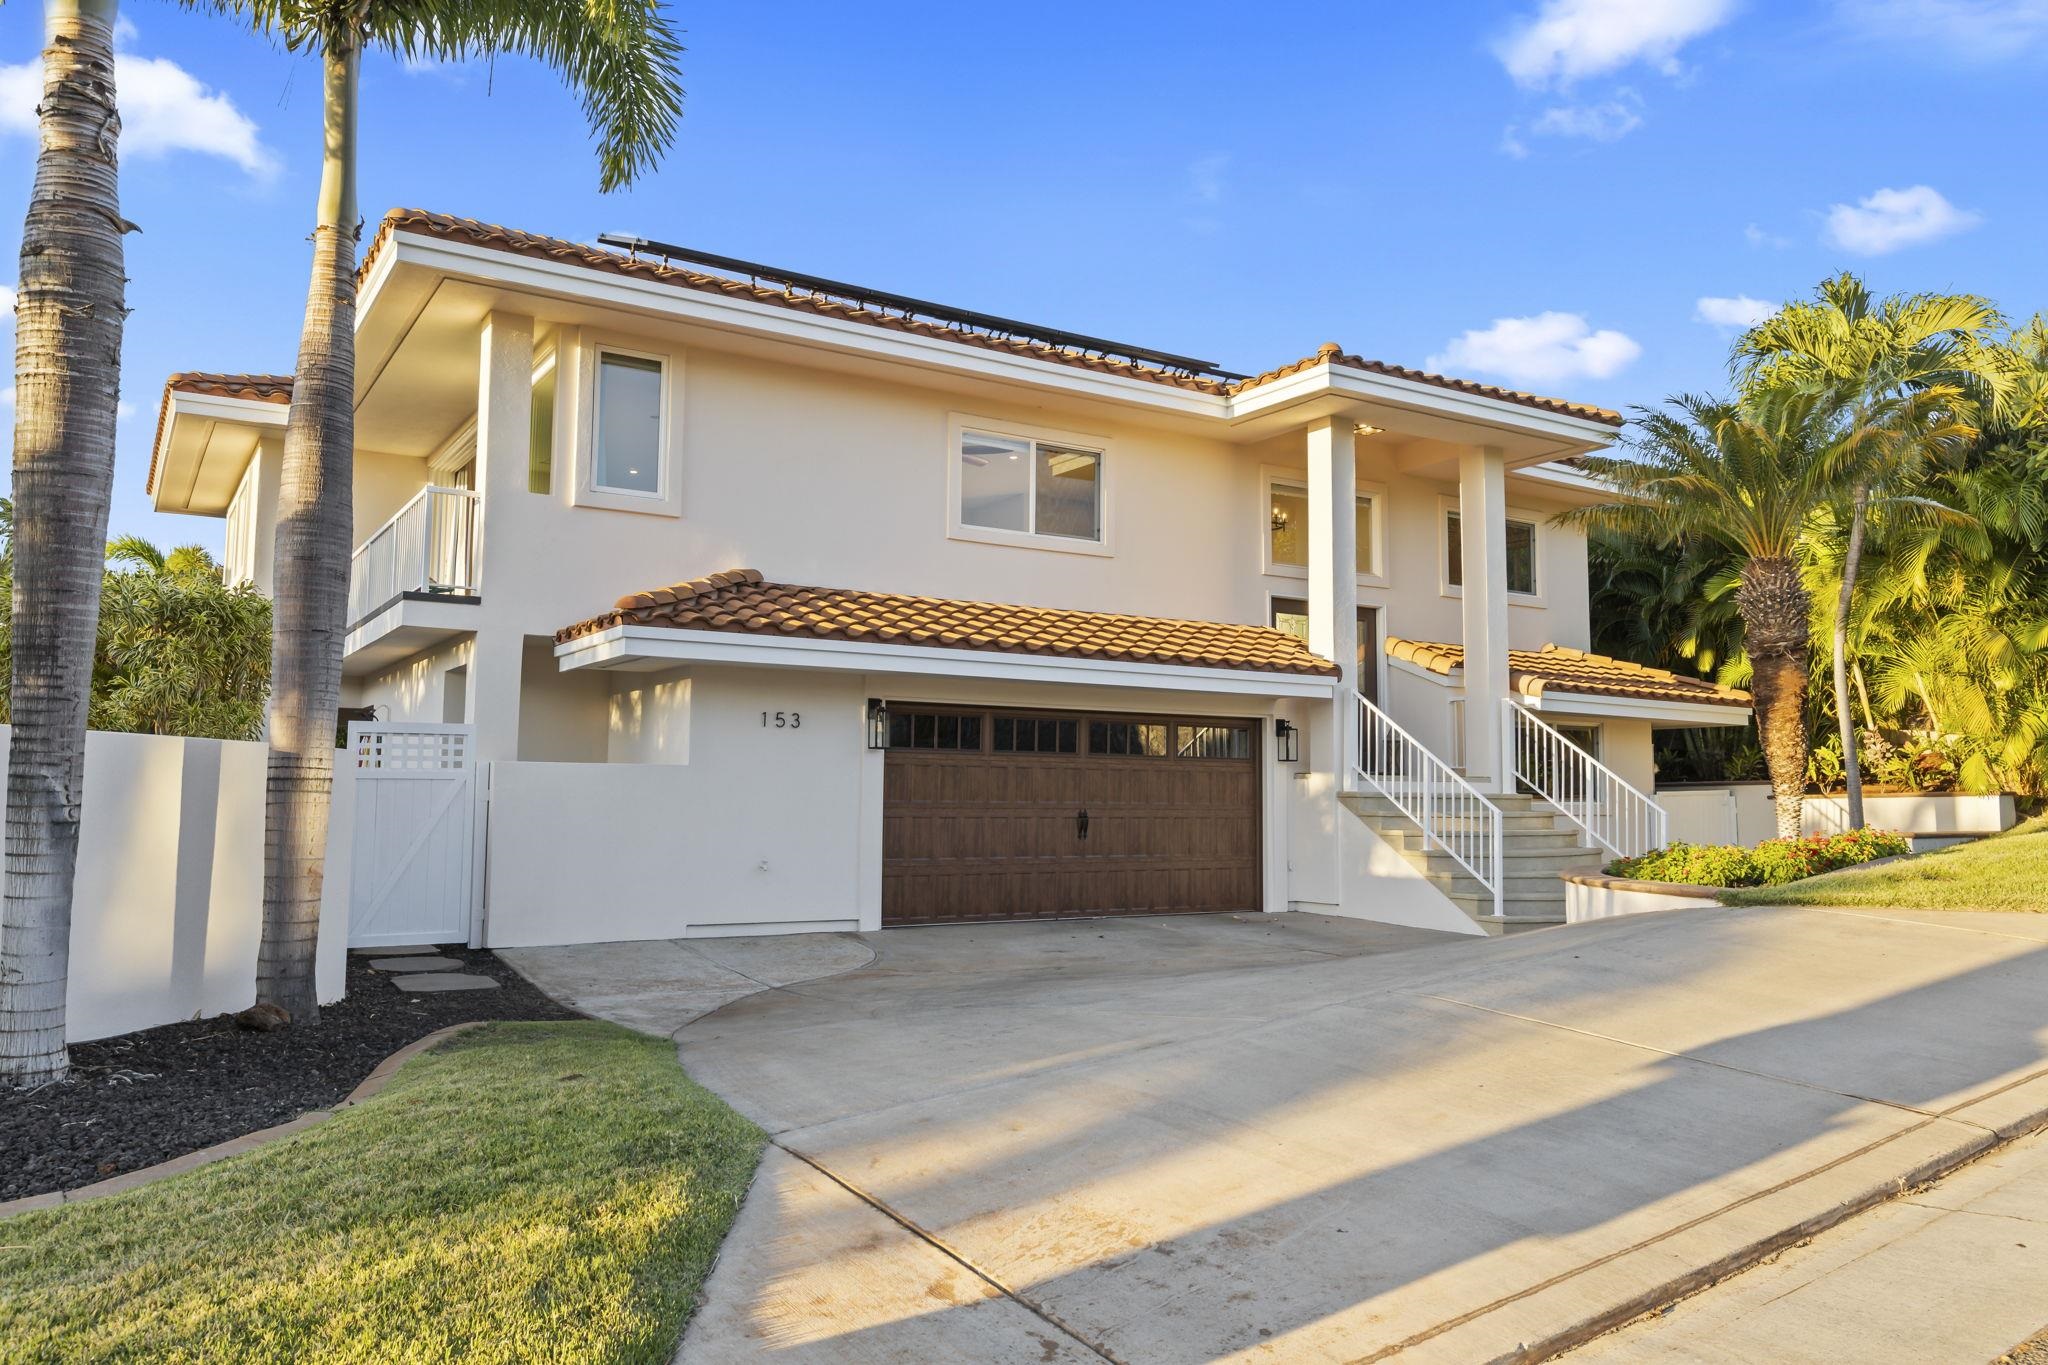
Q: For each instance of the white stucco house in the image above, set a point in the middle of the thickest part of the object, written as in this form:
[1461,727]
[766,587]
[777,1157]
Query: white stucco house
[769,603]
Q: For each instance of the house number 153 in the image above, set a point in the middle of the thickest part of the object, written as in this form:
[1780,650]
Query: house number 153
[783,720]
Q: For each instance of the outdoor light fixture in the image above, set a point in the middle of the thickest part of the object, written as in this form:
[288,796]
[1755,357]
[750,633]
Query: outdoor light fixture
[1365,429]
[878,723]
[1286,742]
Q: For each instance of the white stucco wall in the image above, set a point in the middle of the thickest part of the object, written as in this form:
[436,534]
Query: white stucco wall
[753,829]
[1742,813]
[168,909]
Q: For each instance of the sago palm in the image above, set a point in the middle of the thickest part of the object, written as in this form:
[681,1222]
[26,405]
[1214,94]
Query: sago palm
[67,367]
[1915,372]
[619,57]
[1747,476]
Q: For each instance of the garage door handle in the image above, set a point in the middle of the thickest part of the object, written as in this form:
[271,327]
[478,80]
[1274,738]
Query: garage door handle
[1081,824]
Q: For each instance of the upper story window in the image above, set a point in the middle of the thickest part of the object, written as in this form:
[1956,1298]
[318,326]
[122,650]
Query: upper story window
[540,430]
[1041,489]
[1287,529]
[628,434]
[1521,555]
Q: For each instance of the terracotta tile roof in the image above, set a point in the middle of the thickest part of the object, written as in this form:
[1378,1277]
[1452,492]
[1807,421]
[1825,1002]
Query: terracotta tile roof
[1555,668]
[474,233]
[1330,353]
[261,388]
[740,600]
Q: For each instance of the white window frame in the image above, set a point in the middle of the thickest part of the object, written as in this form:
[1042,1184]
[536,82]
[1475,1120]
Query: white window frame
[1271,476]
[1448,506]
[958,424]
[666,499]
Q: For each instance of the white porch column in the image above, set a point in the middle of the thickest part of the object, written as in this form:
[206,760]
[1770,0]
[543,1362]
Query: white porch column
[1333,572]
[503,425]
[1483,535]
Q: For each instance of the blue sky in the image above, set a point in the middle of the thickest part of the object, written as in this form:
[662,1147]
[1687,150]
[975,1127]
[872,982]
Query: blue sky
[1546,193]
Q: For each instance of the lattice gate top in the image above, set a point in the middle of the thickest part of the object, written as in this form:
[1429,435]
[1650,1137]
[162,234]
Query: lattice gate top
[409,748]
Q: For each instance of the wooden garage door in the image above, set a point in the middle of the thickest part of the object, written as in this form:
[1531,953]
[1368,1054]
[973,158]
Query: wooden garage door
[1012,815]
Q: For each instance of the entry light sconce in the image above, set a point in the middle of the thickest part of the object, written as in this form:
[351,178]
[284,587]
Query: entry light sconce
[878,723]
[1365,429]
[1286,742]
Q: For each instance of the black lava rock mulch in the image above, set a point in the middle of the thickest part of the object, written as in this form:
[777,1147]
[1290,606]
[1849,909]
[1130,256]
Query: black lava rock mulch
[146,1097]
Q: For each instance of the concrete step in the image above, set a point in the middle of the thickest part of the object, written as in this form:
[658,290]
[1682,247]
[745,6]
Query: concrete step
[1405,836]
[1519,862]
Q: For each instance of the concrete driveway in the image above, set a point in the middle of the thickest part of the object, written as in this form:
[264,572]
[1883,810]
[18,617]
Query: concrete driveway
[1289,1137]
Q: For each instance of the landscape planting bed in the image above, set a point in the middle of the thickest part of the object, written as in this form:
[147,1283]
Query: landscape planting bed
[142,1098]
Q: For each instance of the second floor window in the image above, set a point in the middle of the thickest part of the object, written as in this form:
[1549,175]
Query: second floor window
[1521,555]
[1032,487]
[628,436]
[1287,528]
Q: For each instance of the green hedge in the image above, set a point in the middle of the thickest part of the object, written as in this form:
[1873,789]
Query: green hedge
[1771,863]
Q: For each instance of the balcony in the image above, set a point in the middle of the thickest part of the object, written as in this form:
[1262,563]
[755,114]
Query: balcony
[413,583]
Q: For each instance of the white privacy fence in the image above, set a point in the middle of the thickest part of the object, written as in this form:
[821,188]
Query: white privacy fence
[429,546]
[1450,812]
[1592,795]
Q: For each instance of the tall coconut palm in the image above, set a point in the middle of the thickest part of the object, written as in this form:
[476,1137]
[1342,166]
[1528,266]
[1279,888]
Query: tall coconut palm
[1749,476]
[619,56]
[1915,370]
[67,365]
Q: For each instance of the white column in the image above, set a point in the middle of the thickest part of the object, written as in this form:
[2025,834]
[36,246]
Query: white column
[504,403]
[1483,533]
[1333,571]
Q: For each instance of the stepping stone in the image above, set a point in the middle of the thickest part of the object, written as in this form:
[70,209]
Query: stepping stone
[443,981]
[401,951]
[428,963]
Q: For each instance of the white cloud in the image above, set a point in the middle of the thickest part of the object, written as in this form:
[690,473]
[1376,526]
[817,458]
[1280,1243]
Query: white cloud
[164,109]
[1987,29]
[7,397]
[7,301]
[1756,236]
[1566,40]
[1891,219]
[1740,311]
[1608,121]
[1545,349]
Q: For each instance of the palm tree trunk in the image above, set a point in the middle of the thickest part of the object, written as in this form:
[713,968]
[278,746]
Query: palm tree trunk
[315,521]
[1775,631]
[1852,561]
[67,362]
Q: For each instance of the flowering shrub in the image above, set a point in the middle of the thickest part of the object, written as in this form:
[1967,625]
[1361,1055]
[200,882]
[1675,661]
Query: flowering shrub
[1771,863]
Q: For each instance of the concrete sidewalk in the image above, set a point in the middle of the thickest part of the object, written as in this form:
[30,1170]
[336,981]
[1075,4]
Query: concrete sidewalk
[1956,1271]
[1292,1138]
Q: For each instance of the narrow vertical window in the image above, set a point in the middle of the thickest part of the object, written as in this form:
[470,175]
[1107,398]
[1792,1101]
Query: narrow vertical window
[628,436]
[540,433]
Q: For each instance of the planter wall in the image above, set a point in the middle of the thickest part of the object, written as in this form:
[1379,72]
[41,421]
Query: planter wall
[1591,896]
[1742,813]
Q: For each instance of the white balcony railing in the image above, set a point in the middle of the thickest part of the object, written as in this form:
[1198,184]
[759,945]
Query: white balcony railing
[428,546]
[1592,795]
[1450,812]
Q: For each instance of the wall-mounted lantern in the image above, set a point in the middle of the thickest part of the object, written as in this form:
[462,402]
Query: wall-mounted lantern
[878,723]
[1286,742]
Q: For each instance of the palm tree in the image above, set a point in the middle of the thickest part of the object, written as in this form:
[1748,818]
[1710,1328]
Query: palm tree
[619,56]
[67,366]
[1747,476]
[1914,369]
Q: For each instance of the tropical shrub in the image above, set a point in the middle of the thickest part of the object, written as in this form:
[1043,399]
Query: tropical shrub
[1771,863]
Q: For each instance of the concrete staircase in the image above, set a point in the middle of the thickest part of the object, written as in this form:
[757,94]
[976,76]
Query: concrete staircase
[1537,843]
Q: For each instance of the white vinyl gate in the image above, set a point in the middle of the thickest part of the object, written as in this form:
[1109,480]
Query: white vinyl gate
[413,878]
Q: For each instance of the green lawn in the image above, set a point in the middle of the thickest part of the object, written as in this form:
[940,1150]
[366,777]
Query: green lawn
[2007,872]
[526,1192]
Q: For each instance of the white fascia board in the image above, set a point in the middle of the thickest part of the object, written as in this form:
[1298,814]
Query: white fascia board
[621,643]
[583,284]
[204,407]
[1573,434]
[1562,476]
[1557,702]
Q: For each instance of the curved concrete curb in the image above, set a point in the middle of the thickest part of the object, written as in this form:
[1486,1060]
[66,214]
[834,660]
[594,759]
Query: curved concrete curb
[248,1142]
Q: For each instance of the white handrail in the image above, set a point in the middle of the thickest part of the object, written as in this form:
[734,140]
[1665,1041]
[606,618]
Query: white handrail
[1450,812]
[1592,795]
[428,545]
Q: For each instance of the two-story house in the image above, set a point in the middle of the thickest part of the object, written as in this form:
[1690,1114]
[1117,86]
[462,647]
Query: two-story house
[775,603]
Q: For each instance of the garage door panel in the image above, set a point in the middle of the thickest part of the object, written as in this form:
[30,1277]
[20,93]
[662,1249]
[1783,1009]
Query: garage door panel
[982,835]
